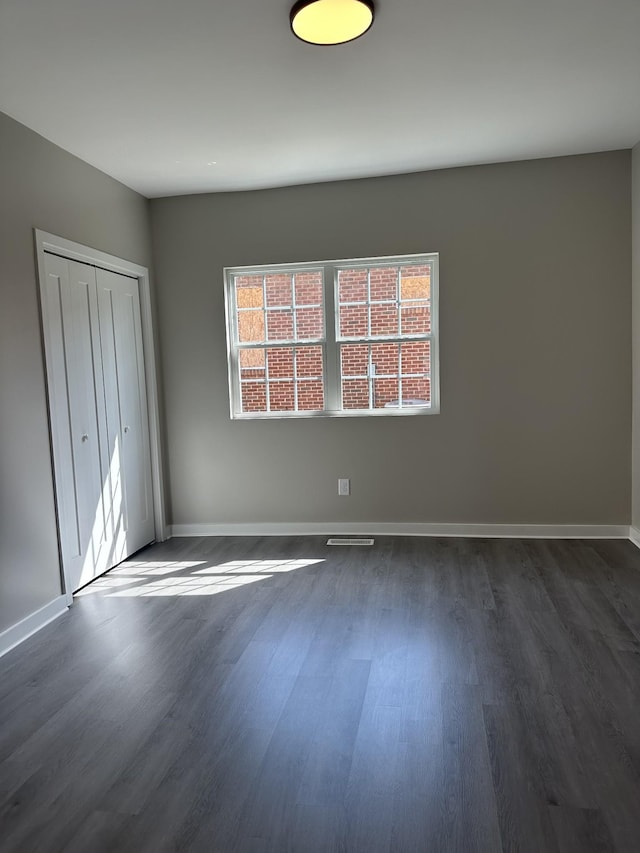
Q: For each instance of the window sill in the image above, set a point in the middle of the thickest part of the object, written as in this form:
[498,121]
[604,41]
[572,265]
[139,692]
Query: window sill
[344,413]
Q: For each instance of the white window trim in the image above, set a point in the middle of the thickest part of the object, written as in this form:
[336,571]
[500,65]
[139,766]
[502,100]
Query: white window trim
[330,343]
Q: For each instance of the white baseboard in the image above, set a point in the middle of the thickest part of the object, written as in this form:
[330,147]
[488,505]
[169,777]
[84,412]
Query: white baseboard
[634,536]
[517,531]
[19,632]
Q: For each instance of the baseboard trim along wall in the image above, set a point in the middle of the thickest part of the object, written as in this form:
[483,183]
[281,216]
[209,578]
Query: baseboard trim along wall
[634,536]
[516,531]
[22,630]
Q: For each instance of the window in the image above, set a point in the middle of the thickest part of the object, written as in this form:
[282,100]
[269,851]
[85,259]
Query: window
[355,337]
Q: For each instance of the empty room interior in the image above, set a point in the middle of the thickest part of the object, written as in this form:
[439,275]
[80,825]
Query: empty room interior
[319,426]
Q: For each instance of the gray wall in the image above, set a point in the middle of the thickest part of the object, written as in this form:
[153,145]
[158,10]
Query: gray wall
[41,186]
[535,349]
[636,333]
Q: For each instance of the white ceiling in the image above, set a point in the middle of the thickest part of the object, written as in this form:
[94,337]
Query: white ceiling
[204,95]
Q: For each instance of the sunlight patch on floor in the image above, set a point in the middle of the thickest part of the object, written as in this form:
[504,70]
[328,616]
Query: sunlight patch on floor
[260,566]
[103,585]
[147,579]
[155,567]
[186,586]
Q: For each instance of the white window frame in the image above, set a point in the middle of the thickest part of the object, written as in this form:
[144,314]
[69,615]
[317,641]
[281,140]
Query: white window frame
[331,342]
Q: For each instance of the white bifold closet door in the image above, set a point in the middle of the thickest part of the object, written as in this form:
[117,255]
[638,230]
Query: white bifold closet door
[99,423]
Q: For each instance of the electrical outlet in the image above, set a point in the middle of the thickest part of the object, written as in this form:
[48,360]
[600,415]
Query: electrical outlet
[344,486]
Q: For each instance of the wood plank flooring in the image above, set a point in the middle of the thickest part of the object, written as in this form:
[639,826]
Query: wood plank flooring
[276,694]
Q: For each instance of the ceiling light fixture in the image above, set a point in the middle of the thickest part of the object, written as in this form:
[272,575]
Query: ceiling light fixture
[331,21]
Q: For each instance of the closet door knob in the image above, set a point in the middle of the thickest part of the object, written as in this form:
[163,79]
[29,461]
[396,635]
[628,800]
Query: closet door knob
[85,437]
[126,429]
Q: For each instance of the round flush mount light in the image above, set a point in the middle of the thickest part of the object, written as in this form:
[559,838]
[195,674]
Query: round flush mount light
[331,21]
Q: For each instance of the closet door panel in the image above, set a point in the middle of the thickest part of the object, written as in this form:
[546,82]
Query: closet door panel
[126,410]
[77,414]
[113,439]
[87,399]
[57,282]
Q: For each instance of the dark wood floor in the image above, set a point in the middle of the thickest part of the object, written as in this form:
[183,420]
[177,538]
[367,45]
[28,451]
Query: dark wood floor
[281,695]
